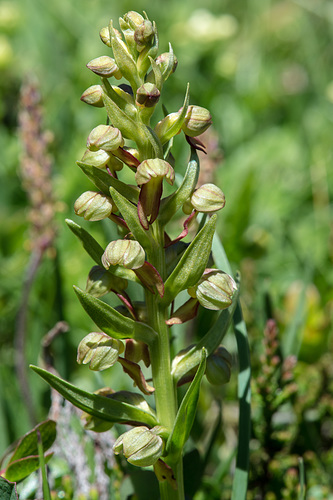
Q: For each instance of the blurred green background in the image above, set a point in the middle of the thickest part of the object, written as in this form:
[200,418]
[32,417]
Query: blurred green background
[265,71]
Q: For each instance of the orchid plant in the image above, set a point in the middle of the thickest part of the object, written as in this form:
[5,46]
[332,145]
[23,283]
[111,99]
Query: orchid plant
[163,266]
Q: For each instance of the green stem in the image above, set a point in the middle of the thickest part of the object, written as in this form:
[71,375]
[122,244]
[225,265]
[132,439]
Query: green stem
[165,394]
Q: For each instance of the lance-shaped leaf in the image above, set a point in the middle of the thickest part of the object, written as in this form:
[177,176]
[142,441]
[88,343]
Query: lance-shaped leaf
[112,322]
[28,444]
[103,181]
[95,251]
[18,470]
[125,61]
[210,341]
[192,263]
[7,490]
[128,127]
[121,98]
[130,214]
[107,408]
[174,202]
[89,243]
[171,125]
[186,413]
[134,371]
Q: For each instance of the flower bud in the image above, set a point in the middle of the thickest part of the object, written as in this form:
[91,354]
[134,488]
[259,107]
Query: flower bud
[99,350]
[105,36]
[100,282]
[96,158]
[93,96]
[105,137]
[215,290]
[218,368]
[163,128]
[152,169]
[147,95]
[127,253]
[141,446]
[144,35]
[105,66]
[163,61]
[197,120]
[94,206]
[133,19]
[208,198]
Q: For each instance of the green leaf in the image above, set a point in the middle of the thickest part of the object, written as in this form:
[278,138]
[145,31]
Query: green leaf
[177,125]
[7,490]
[103,181]
[170,205]
[210,341]
[192,263]
[89,243]
[130,214]
[18,470]
[128,127]
[186,414]
[28,444]
[112,322]
[122,99]
[105,408]
[125,62]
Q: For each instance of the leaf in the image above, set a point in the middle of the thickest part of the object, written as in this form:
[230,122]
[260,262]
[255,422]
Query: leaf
[89,243]
[125,62]
[128,127]
[106,408]
[174,202]
[112,322]
[103,181]
[186,414]
[28,444]
[19,469]
[192,263]
[7,490]
[177,125]
[130,214]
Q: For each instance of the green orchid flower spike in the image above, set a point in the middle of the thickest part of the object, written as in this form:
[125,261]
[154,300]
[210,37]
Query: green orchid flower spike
[128,159]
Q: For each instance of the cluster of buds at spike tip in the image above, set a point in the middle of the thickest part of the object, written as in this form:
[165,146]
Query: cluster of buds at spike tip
[218,368]
[208,198]
[94,206]
[150,175]
[141,446]
[215,290]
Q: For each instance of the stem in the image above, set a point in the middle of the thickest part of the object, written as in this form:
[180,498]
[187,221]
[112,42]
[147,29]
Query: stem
[165,393]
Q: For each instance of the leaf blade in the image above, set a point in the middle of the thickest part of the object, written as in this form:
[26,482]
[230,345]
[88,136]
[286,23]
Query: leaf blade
[106,408]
